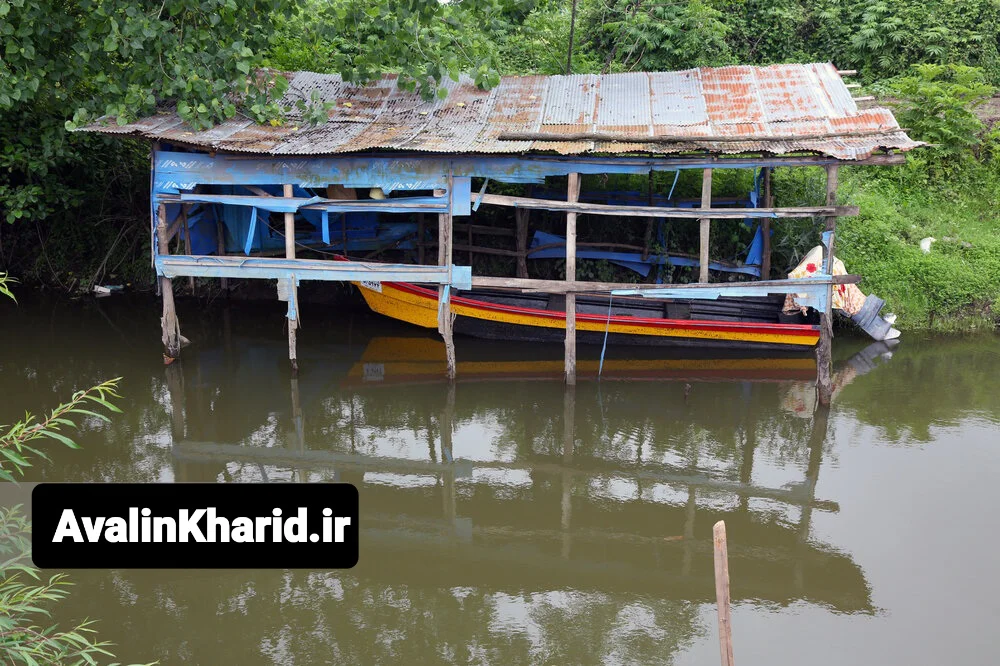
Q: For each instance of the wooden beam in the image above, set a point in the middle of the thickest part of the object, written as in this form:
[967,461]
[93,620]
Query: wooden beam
[169,325]
[685,138]
[847,72]
[722,600]
[654,211]
[824,350]
[220,237]
[572,197]
[705,226]
[765,227]
[563,287]
[293,323]
[446,319]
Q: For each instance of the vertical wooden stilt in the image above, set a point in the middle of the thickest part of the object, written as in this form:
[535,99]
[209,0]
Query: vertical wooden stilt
[169,324]
[706,225]
[824,350]
[521,217]
[765,229]
[649,222]
[293,323]
[187,244]
[572,196]
[220,235]
[722,592]
[446,320]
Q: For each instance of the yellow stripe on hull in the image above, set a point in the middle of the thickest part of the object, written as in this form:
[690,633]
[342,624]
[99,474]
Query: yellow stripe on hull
[421,311]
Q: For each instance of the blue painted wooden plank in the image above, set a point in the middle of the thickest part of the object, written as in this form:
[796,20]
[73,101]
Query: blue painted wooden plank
[172,266]
[251,232]
[179,171]
[292,205]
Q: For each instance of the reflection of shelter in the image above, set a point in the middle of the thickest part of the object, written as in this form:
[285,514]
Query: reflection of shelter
[218,189]
[570,514]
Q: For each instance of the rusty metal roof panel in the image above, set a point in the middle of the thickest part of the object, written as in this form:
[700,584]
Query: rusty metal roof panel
[571,100]
[776,109]
[623,104]
[676,98]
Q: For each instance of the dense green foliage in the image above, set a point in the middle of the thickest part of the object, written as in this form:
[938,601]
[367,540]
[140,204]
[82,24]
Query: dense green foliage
[78,205]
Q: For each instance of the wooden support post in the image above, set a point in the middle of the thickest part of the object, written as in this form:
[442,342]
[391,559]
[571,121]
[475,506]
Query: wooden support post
[187,243]
[690,511]
[220,235]
[722,592]
[765,229]
[706,225]
[293,293]
[446,320]
[824,350]
[649,222]
[572,196]
[521,217]
[169,324]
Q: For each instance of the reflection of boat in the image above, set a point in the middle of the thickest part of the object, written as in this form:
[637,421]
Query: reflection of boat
[741,323]
[414,360]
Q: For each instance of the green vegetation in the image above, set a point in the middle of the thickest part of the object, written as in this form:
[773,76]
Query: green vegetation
[26,634]
[77,209]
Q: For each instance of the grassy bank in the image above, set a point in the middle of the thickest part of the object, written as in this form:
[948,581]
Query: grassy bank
[955,285]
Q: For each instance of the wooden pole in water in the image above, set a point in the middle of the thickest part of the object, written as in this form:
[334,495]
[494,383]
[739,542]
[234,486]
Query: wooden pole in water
[168,322]
[446,321]
[293,323]
[765,229]
[705,225]
[824,350]
[572,196]
[722,593]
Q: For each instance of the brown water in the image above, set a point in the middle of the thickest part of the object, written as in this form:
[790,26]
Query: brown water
[492,533]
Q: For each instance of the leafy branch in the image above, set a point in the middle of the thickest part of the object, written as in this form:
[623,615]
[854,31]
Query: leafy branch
[19,438]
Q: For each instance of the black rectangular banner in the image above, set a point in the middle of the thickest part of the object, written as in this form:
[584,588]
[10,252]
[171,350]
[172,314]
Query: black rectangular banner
[194,525]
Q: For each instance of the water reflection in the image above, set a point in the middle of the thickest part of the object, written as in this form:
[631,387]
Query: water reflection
[504,518]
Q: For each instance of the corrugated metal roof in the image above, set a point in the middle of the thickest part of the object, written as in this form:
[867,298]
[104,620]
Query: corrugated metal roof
[776,109]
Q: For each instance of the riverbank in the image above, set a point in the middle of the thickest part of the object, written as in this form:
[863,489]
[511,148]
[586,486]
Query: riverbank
[954,285]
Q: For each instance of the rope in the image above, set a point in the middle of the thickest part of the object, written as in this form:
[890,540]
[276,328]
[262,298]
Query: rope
[604,347]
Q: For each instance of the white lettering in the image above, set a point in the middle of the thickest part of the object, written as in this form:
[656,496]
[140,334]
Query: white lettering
[67,528]
[189,525]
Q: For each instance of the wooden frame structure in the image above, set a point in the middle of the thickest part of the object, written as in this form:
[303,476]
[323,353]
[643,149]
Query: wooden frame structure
[182,179]
[421,157]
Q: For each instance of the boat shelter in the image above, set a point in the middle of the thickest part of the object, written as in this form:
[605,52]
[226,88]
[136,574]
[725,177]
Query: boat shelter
[215,190]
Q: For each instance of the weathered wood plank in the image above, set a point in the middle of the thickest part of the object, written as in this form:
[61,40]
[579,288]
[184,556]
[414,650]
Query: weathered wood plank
[572,197]
[562,287]
[685,138]
[653,211]
[705,226]
[722,600]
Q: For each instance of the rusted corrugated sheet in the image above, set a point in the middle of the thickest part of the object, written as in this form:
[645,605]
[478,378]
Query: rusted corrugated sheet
[613,113]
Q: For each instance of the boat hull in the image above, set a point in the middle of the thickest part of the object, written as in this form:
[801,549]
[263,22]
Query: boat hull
[511,317]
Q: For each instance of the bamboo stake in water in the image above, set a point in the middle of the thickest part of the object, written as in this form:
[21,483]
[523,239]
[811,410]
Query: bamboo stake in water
[722,593]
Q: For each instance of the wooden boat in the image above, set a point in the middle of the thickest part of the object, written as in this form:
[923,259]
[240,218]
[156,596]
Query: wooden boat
[748,323]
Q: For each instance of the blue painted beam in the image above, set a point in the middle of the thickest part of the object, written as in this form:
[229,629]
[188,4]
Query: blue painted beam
[182,171]
[171,266]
